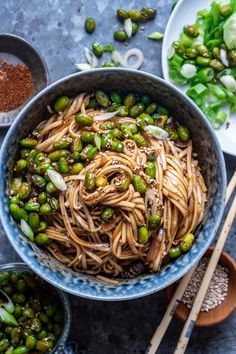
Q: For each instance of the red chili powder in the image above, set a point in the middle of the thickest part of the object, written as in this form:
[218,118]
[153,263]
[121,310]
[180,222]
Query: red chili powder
[16,85]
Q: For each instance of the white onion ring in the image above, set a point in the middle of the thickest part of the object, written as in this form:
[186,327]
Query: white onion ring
[136,53]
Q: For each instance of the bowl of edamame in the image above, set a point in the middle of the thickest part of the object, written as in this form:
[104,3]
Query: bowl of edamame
[88,265]
[34,316]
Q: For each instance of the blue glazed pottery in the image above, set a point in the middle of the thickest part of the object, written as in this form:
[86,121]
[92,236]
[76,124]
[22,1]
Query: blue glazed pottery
[210,159]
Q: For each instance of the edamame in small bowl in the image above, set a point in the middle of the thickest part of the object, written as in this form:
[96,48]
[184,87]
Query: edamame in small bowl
[34,316]
[116,181]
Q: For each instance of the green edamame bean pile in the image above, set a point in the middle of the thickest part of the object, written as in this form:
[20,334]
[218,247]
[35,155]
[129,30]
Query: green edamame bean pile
[30,322]
[97,182]
[205,58]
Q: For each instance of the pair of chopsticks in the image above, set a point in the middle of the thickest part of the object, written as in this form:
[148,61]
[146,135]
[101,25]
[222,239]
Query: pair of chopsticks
[190,323]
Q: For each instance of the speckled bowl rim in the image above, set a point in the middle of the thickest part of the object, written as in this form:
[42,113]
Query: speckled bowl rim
[183,269]
[22,267]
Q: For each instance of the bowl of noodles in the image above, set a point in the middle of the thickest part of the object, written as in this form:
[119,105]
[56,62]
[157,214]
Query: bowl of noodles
[112,184]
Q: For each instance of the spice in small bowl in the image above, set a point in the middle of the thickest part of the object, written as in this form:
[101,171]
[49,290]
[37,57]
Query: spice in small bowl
[16,85]
[220,300]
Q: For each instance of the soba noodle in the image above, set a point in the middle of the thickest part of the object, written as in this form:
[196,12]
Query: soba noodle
[85,243]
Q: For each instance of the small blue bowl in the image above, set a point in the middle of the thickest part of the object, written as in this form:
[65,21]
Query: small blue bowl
[205,145]
[62,297]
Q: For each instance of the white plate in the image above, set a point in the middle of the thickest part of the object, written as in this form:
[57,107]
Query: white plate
[184,13]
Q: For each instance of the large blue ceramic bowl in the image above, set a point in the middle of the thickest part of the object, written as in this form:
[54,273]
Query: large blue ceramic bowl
[205,144]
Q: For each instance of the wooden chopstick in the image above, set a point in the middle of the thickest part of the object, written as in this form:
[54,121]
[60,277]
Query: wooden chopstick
[161,329]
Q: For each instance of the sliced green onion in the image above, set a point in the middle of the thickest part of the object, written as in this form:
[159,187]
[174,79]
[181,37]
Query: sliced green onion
[156,35]
[223,57]
[26,229]
[108,48]
[188,71]
[128,27]
[217,91]
[106,115]
[98,141]
[229,31]
[7,318]
[205,75]
[157,132]
[170,52]
[83,66]
[8,304]
[117,57]
[229,82]
[57,180]
[197,90]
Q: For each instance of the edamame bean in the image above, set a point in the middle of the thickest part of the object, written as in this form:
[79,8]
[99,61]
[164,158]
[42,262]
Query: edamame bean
[123,112]
[63,165]
[179,48]
[107,214]
[147,14]
[61,104]
[30,205]
[216,65]
[90,181]
[145,99]
[120,36]
[17,312]
[151,108]
[36,325]
[91,152]
[15,185]
[117,146]
[191,53]
[150,169]
[42,168]
[122,182]
[136,110]
[55,155]
[21,165]
[30,342]
[232,57]
[43,317]
[76,168]
[226,10]
[28,142]
[84,120]
[154,221]
[174,252]
[139,184]
[143,120]
[24,191]
[45,208]
[20,350]
[42,226]
[173,134]
[44,344]
[38,181]
[107,126]
[97,49]
[42,334]
[41,239]
[28,313]
[42,197]
[8,288]
[134,15]
[34,220]
[39,158]
[140,140]
[102,98]
[14,200]
[87,137]
[122,14]
[116,134]
[51,188]
[160,120]
[4,344]
[115,97]
[129,100]
[187,242]
[191,31]
[143,235]
[19,298]
[4,277]
[183,133]
[64,143]
[24,153]
[51,309]
[77,145]
[202,50]
[76,156]
[101,181]
[92,103]
[90,25]
[54,203]
[201,61]
[18,213]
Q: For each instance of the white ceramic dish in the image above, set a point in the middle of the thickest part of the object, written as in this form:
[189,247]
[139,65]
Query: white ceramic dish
[184,13]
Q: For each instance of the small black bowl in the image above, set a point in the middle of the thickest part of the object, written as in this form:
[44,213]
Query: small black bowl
[16,50]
